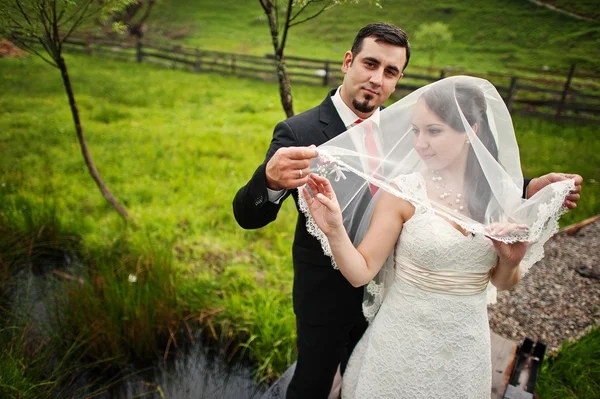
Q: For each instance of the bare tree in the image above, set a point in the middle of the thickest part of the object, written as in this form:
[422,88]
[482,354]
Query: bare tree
[134,16]
[283,15]
[48,23]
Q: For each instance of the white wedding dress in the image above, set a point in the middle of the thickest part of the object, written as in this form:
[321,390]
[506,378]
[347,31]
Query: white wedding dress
[422,343]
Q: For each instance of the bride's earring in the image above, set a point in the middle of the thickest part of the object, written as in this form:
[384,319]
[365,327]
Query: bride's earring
[468,142]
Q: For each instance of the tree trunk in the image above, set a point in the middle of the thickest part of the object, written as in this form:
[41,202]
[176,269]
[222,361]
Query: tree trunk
[285,90]
[84,150]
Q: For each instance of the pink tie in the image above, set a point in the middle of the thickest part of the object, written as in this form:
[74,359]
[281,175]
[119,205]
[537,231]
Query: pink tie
[371,152]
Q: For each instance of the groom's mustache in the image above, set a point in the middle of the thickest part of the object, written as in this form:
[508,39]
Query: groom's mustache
[369,88]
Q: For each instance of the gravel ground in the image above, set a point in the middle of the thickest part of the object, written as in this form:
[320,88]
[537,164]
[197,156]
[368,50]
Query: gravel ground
[554,301]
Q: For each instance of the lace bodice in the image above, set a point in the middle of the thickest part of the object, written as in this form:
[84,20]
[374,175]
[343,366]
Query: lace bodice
[429,240]
[444,247]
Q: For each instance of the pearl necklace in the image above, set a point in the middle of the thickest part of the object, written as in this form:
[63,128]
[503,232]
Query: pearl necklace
[445,194]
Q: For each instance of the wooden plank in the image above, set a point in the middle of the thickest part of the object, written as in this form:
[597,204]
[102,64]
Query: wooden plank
[309,60]
[420,77]
[574,228]
[536,102]
[562,118]
[503,358]
[537,89]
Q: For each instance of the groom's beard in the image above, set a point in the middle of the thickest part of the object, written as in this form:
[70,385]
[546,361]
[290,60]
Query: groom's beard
[364,106]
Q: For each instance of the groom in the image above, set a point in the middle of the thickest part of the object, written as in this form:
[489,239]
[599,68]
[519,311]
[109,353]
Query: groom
[328,309]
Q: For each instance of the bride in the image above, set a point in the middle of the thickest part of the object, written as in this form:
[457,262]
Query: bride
[445,229]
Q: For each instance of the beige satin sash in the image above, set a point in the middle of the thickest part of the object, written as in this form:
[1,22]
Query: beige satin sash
[451,282]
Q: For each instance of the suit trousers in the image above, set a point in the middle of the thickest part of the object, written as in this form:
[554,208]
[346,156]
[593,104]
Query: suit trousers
[321,348]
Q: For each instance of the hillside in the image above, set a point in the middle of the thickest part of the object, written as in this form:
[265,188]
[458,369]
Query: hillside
[488,35]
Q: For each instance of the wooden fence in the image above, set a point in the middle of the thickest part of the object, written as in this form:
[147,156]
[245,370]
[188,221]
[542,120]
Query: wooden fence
[572,97]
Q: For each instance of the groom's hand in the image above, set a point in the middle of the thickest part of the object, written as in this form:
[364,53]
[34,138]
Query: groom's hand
[540,182]
[289,167]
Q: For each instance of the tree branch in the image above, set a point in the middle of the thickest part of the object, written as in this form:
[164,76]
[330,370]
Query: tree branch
[304,7]
[300,12]
[24,14]
[263,6]
[33,33]
[77,22]
[274,2]
[325,8]
[62,13]
[15,25]
[54,62]
[81,12]
[285,28]
[46,38]
[147,13]
[30,48]
[56,35]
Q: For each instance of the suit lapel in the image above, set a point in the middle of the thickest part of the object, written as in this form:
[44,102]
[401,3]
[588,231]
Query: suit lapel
[331,123]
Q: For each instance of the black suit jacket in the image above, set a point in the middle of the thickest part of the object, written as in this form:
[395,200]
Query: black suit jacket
[321,294]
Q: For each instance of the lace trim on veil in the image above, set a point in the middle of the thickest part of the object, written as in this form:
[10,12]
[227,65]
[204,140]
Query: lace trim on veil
[545,227]
[313,229]
[412,188]
[546,224]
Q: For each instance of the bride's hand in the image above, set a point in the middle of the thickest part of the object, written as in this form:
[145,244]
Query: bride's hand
[323,205]
[512,253]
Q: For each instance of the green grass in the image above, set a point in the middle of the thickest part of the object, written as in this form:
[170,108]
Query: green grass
[38,365]
[21,374]
[487,34]
[574,372]
[187,144]
[44,368]
[174,147]
[124,301]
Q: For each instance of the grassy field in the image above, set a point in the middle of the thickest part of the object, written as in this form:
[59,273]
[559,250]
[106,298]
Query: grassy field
[174,152]
[174,147]
[574,373]
[487,34]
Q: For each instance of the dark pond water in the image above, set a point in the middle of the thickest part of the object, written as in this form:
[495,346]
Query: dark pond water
[196,371]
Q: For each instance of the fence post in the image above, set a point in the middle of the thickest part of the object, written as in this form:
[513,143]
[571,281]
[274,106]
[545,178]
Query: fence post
[326,76]
[197,63]
[511,92]
[442,73]
[138,50]
[233,64]
[563,97]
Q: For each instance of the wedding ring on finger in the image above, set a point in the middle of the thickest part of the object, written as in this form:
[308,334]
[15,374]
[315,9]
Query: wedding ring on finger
[300,174]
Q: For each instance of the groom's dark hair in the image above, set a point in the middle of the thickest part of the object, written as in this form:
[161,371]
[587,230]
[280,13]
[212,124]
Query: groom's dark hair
[382,32]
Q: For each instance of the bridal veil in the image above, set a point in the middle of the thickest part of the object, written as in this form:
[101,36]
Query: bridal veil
[453,140]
